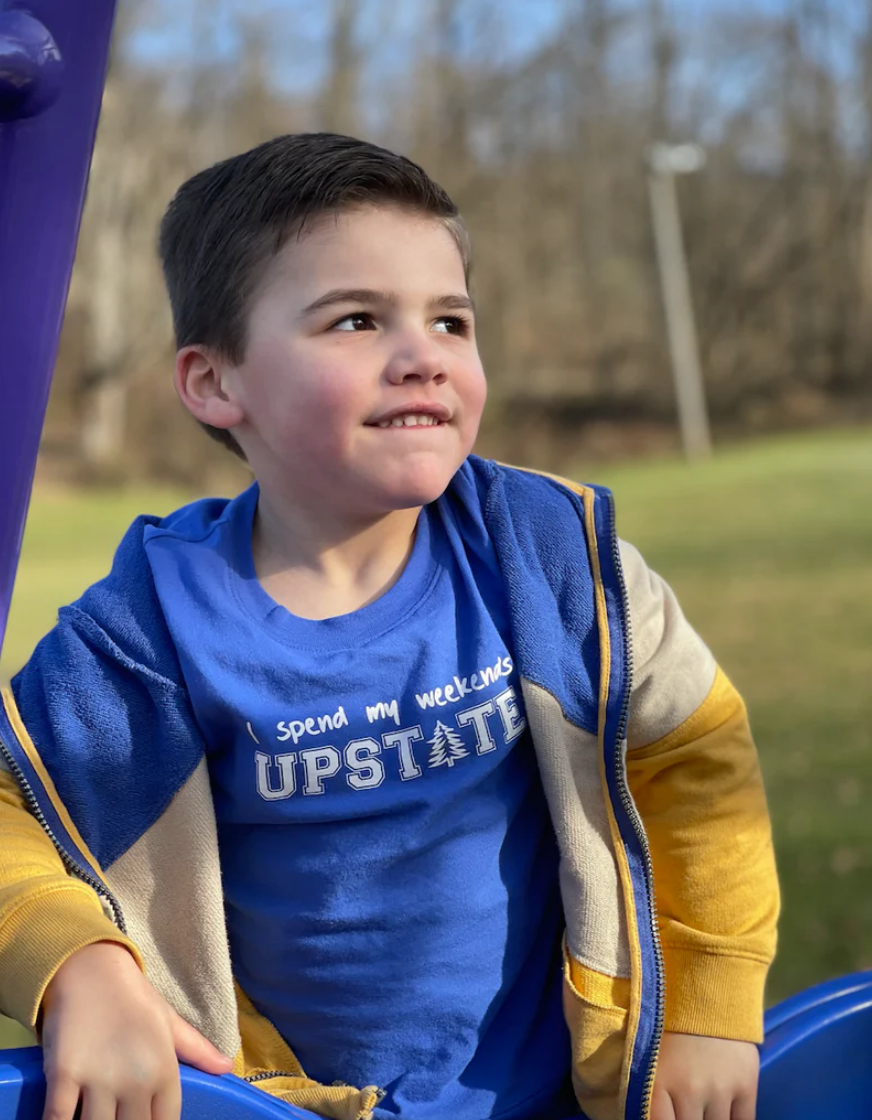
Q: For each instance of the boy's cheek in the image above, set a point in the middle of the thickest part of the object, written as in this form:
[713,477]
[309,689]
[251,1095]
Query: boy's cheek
[475,403]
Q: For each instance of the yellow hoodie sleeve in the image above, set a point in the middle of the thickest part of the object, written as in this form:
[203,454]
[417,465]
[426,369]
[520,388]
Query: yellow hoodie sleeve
[46,914]
[694,774]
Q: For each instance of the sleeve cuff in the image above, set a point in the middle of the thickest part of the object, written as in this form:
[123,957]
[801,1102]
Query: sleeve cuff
[714,995]
[40,935]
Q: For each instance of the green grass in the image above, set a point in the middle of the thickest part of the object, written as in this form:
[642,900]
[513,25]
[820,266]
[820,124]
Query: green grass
[769,548]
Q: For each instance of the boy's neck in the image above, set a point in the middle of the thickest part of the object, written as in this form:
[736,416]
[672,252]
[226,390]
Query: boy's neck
[318,566]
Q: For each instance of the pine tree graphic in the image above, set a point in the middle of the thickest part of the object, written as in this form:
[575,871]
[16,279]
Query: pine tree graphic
[447,747]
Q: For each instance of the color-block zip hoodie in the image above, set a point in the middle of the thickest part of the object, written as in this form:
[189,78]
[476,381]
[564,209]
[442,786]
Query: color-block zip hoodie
[651,775]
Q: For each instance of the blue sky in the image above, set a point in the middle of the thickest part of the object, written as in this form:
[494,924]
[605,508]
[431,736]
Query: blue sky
[527,21]
[299,35]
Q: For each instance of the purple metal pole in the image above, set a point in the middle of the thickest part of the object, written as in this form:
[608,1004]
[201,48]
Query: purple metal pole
[53,57]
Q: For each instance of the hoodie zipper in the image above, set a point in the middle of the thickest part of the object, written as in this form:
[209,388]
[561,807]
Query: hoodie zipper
[269,1074]
[632,812]
[266,1075]
[71,864]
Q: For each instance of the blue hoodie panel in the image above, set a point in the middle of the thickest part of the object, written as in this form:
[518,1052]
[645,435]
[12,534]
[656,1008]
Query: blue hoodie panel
[537,528]
[103,701]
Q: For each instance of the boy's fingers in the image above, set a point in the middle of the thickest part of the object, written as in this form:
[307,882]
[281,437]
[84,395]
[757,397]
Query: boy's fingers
[195,1050]
[61,1098]
[690,1107]
[135,1108]
[97,1104]
[744,1108]
[719,1111]
[661,1106]
[167,1105]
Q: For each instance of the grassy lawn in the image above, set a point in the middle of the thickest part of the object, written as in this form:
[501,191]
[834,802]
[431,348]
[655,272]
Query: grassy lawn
[769,548]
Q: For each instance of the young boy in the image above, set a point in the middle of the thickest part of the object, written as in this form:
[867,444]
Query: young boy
[348,775]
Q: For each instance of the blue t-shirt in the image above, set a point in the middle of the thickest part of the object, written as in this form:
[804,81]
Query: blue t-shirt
[389,864]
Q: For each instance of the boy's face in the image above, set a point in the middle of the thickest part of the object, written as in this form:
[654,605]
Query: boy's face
[362,389]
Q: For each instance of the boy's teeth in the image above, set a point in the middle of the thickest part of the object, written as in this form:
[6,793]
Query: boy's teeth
[410,420]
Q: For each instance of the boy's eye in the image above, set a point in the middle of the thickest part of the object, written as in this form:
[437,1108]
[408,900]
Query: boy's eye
[359,321]
[452,324]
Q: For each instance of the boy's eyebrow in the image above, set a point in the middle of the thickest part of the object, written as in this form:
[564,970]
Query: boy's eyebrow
[452,302]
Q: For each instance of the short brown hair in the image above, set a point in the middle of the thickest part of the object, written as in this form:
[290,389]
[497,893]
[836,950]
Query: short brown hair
[226,223]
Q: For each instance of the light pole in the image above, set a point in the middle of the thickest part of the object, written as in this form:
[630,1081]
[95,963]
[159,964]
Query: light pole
[665,161]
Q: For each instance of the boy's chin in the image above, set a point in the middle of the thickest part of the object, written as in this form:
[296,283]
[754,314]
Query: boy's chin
[414,488]
[413,498]
[411,493]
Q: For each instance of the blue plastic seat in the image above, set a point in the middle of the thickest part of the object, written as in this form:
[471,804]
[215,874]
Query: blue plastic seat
[22,1093]
[816,1062]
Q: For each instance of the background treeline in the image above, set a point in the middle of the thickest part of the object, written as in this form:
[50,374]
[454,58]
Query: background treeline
[537,116]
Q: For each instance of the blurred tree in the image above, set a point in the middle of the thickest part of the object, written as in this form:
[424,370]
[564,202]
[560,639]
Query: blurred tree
[116,284]
[341,88]
[538,124]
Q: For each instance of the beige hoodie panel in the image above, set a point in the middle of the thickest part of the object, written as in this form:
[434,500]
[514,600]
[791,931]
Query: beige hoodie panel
[169,886]
[673,669]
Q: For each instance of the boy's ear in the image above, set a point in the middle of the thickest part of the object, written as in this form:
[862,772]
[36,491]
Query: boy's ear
[201,381]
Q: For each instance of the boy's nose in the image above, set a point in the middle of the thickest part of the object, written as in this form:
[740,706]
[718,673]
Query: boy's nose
[423,364]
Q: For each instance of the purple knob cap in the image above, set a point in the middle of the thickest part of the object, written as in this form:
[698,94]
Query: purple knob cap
[30,66]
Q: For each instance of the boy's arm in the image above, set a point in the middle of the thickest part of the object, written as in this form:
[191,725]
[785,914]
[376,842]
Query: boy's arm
[107,1036]
[694,774]
[46,915]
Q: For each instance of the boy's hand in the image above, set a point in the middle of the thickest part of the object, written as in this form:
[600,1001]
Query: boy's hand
[110,1040]
[700,1078]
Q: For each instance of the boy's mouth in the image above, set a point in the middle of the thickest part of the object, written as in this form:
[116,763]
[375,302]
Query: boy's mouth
[416,416]
[410,421]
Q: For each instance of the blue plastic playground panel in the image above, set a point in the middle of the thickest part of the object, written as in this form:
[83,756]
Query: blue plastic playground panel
[804,1002]
[22,1093]
[817,1063]
[53,56]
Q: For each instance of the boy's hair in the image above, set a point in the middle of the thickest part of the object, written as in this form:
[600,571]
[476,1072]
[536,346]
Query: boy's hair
[226,224]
